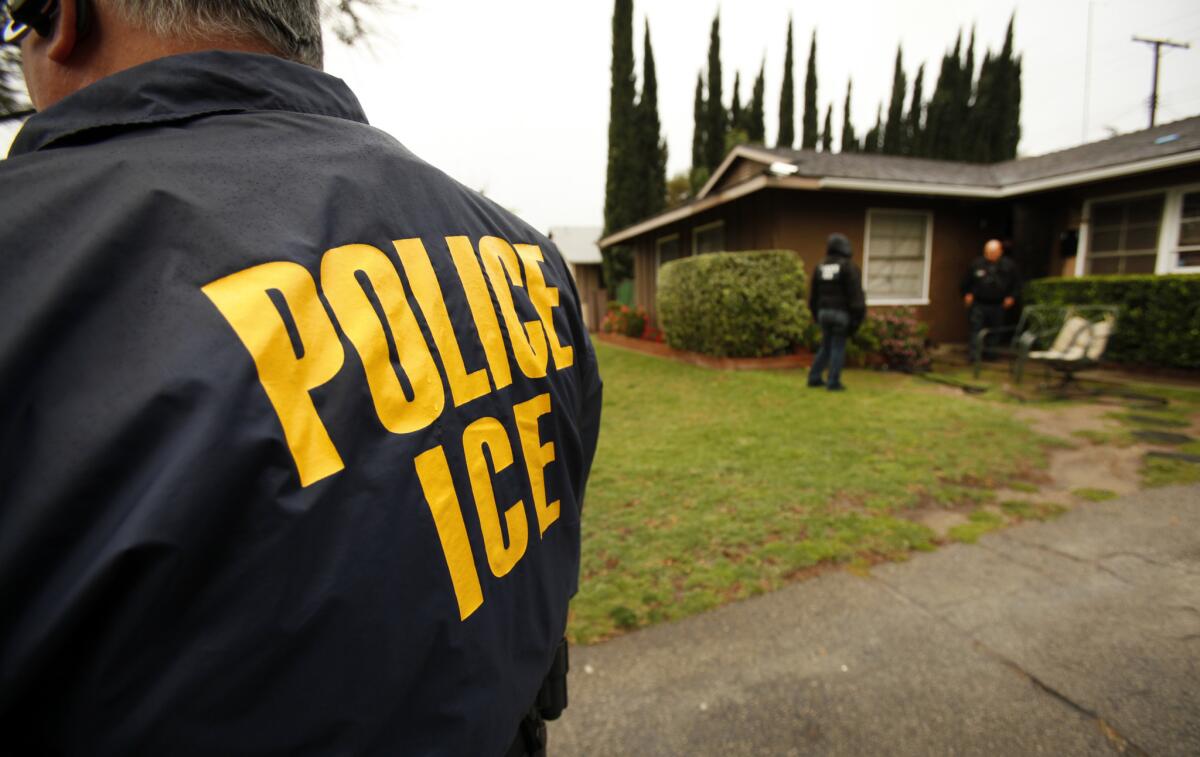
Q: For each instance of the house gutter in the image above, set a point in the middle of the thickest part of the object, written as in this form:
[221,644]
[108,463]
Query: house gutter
[902,187]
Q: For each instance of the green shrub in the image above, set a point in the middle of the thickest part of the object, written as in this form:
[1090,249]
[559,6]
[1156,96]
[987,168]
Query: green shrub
[734,304]
[1160,315]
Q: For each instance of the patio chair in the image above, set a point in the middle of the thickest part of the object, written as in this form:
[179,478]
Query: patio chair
[1078,346]
[1037,322]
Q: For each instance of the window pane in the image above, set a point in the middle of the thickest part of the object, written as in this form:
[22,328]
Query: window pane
[1146,209]
[1189,258]
[668,251]
[1141,237]
[1108,214]
[1139,264]
[896,255]
[1125,226]
[1106,240]
[710,240]
[1189,233]
[1191,205]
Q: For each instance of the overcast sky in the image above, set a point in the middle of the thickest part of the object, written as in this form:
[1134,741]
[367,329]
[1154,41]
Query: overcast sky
[512,97]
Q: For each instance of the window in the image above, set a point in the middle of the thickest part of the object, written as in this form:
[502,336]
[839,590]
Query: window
[667,249]
[1123,235]
[708,238]
[1187,245]
[896,269]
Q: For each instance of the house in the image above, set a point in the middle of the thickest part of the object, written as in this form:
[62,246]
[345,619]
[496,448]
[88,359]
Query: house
[582,254]
[1129,204]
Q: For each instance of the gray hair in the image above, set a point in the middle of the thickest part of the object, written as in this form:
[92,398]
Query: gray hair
[291,27]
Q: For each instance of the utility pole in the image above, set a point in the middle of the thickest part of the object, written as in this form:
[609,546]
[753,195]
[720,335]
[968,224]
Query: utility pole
[1087,74]
[1158,46]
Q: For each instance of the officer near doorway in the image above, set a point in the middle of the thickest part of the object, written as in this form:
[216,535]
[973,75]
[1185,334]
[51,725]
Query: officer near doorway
[989,289]
[295,428]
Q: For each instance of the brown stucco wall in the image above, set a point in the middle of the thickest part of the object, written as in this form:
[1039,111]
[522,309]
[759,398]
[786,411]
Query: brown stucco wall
[802,221]
[592,297]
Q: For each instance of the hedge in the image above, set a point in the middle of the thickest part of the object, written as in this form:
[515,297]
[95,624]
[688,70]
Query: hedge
[734,304]
[1159,322]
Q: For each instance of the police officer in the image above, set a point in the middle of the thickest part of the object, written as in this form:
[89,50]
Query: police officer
[296,428]
[989,288]
[838,305]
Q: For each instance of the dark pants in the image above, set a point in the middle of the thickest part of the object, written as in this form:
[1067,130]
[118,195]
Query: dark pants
[985,316]
[835,327]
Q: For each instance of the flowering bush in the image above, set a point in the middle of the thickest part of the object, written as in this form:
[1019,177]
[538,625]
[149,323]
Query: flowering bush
[651,333]
[896,336]
[624,320]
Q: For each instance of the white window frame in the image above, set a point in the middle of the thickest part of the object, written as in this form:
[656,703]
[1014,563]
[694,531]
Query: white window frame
[702,228]
[1168,228]
[924,298]
[1168,262]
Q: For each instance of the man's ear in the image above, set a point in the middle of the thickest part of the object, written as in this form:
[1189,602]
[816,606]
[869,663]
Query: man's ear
[66,34]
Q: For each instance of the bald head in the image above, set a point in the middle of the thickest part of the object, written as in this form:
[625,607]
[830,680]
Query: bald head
[993,250]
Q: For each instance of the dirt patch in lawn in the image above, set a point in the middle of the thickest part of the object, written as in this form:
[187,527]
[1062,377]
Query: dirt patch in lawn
[1075,475]
[1064,422]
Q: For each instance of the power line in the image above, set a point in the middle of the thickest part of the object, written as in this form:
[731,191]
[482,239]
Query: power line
[1159,44]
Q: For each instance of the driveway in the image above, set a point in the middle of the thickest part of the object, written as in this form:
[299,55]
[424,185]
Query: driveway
[1077,636]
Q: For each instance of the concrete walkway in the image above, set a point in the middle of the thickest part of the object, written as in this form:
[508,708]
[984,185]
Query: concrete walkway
[1076,637]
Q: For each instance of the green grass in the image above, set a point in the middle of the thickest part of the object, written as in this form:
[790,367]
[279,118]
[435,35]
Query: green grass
[1023,510]
[1159,471]
[1109,438]
[712,486]
[1022,486]
[1094,495]
[1164,418]
[981,522]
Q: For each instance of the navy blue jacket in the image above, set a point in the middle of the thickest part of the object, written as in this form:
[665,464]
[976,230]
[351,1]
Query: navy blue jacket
[295,429]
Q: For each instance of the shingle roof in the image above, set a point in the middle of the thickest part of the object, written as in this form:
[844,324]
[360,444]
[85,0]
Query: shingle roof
[1175,143]
[577,243]
[1168,139]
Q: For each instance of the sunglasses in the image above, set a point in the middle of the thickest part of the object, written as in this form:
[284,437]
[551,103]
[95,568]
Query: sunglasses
[23,15]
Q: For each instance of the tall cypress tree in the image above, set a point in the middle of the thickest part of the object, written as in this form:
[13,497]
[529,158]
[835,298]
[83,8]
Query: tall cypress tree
[787,99]
[737,117]
[1009,123]
[620,203]
[960,144]
[652,148]
[809,138]
[913,137]
[755,128]
[716,122]
[849,141]
[872,142]
[699,174]
[981,118]
[827,132]
[940,129]
[893,132]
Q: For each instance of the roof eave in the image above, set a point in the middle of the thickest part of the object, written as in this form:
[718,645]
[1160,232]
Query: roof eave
[882,186]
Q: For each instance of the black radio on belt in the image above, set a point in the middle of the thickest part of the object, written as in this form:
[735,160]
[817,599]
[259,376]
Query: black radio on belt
[38,15]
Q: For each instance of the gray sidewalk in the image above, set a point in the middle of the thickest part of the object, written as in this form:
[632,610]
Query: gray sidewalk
[1078,636]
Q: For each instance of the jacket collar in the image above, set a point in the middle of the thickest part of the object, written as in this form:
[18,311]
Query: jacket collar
[180,87]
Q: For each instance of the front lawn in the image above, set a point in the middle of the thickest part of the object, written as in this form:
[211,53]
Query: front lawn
[711,486]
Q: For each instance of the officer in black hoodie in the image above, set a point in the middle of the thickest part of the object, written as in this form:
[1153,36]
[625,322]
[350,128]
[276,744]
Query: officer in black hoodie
[837,303]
